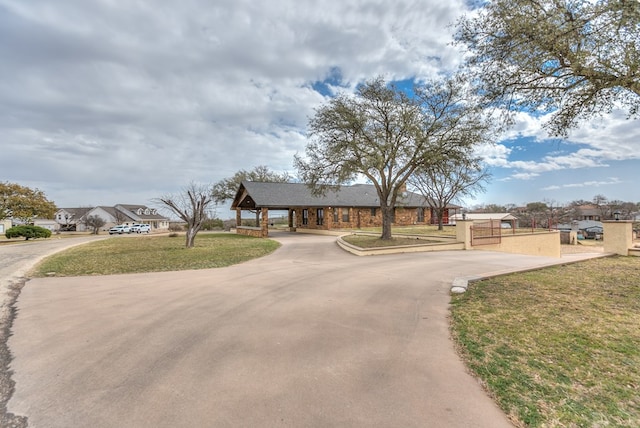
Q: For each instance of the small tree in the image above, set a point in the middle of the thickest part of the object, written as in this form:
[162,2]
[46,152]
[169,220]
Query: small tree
[24,203]
[535,213]
[28,231]
[442,182]
[191,206]
[94,222]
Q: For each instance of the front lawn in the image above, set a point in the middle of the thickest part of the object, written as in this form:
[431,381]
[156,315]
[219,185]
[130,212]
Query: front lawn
[558,347]
[154,254]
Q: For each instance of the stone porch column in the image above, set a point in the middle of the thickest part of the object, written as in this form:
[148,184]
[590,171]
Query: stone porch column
[264,225]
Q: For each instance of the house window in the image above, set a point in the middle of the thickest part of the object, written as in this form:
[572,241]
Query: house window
[320,218]
[373,212]
[305,216]
[335,215]
[345,215]
[420,215]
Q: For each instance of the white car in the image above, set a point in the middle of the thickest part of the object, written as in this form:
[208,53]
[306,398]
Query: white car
[141,228]
[120,229]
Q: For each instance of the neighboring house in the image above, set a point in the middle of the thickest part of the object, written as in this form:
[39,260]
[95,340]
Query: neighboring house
[111,216]
[346,207]
[47,223]
[146,215]
[71,219]
[590,229]
[588,212]
[507,220]
[4,225]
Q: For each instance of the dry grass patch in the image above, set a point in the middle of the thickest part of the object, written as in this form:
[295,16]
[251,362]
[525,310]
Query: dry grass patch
[559,346]
[366,241]
[427,230]
[154,254]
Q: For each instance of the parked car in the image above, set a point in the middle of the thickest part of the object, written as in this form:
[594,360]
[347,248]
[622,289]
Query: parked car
[141,228]
[120,229]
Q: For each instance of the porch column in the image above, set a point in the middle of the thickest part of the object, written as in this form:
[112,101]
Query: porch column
[292,226]
[264,226]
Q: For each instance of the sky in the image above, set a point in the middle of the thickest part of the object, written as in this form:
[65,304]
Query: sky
[120,102]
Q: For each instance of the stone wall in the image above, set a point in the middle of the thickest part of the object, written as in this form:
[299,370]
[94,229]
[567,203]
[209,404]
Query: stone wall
[256,232]
[535,244]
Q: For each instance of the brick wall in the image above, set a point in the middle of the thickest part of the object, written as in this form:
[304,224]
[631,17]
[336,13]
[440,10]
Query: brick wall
[358,218]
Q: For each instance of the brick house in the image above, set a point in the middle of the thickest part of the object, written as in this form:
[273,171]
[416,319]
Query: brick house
[349,207]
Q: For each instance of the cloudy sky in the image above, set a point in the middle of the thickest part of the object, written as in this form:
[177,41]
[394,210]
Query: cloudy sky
[105,102]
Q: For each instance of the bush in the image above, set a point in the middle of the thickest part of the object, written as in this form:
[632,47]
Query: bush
[28,231]
[212,224]
[176,227]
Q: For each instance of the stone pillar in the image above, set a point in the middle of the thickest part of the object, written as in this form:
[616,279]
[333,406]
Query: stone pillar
[293,219]
[463,232]
[238,217]
[618,236]
[264,225]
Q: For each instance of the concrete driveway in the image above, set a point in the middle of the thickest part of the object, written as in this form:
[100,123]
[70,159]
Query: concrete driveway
[309,336]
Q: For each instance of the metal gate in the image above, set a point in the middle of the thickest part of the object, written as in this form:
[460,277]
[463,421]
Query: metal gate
[486,232]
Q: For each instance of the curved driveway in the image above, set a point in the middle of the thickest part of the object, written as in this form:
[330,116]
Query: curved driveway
[309,336]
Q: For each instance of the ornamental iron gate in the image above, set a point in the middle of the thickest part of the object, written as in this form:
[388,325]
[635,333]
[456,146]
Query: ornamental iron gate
[486,233]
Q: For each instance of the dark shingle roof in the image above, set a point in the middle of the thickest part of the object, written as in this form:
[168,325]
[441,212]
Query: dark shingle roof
[289,195]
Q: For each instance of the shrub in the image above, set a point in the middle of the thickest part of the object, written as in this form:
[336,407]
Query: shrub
[28,231]
[176,227]
[212,224]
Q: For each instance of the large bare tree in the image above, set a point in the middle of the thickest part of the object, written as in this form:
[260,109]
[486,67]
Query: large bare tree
[191,206]
[575,58]
[383,134]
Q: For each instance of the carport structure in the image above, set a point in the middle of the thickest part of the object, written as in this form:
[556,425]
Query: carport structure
[341,207]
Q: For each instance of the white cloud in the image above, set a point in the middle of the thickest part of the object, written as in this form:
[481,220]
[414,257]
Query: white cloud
[119,97]
[493,154]
[588,184]
[108,102]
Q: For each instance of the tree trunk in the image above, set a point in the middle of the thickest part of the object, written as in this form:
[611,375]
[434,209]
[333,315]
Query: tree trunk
[387,219]
[191,236]
[440,217]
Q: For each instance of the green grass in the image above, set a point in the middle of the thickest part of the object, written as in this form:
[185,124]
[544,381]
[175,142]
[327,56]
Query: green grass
[558,347]
[154,254]
[366,241]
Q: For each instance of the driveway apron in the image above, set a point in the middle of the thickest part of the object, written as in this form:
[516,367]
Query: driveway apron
[309,336]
